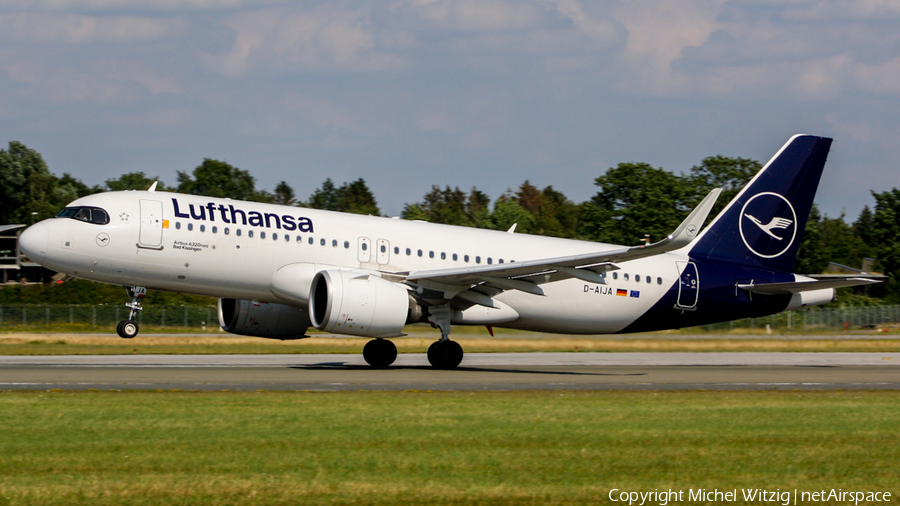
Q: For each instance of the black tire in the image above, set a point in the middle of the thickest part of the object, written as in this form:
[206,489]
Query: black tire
[445,354]
[380,353]
[127,329]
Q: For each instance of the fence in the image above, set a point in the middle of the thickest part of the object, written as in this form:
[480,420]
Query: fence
[14,317]
[49,317]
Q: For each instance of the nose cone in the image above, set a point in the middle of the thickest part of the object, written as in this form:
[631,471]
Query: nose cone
[33,242]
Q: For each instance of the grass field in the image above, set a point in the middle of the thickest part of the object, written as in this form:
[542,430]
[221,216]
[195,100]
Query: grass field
[104,344]
[539,448]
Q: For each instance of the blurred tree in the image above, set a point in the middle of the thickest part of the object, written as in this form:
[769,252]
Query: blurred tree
[809,255]
[134,181]
[352,197]
[729,174]
[451,207]
[214,178]
[635,200]
[508,212]
[886,241]
[284,194]
[28,186]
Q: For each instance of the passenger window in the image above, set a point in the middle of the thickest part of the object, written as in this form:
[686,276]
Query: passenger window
[419,252]
[203,228]
[215,229]
[249,233]
[310,240]
[431,254]
[658,281]
[238,232]
[190,226]
[287,238]
[455,257]
[334,243]
[383,248]
[500,261]
[365,246]
[490,261]
[625,276]
[396,250]
[615,275]
[226,231]
[637,278]
[443,256]
[274,237]
[177,225]
[408,252]
[262,235]
[322,241]
[478,259]
[346,244]
[465,258]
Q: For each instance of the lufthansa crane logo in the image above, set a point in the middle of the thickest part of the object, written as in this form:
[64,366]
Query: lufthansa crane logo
[768,224]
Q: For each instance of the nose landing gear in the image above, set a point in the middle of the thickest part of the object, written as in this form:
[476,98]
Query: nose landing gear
[129,328]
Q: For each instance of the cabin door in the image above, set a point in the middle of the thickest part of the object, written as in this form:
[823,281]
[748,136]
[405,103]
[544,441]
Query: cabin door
[151,224]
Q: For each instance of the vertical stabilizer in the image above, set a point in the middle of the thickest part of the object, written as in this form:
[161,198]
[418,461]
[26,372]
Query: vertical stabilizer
[763,225]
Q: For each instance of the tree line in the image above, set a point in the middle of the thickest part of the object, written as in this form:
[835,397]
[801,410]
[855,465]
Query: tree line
[634,202]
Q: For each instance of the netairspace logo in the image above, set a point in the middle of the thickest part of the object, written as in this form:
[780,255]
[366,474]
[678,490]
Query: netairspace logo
[747,495]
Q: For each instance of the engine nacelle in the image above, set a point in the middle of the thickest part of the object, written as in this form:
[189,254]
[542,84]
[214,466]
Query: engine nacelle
[811,298]
[262,319]
[358,304]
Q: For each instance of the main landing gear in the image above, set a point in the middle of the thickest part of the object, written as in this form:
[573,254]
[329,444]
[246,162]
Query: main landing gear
[443,354]
[380,353]
[129,328]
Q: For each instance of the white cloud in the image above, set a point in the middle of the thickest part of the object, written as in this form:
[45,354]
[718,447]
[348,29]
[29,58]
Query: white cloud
[73,28]
[296,40]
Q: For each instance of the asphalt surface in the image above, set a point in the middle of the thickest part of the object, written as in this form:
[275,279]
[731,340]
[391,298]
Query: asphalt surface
[479,371]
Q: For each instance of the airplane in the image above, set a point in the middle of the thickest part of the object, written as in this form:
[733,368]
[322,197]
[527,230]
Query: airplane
[276,270]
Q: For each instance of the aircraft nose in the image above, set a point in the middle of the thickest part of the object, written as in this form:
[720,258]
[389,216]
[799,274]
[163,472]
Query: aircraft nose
[33,242]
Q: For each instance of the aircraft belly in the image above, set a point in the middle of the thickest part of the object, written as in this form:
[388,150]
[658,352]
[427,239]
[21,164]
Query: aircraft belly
[576,307]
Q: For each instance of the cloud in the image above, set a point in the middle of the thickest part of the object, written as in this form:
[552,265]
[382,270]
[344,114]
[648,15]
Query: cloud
[80,29]
[297,40]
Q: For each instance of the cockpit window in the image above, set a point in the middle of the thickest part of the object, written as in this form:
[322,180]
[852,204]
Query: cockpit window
[89,214]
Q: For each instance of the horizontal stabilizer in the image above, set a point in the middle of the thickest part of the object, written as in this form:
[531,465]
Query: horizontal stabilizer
[804,286]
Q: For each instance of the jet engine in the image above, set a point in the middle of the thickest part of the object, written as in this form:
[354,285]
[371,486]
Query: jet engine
[359,304]
[262,319]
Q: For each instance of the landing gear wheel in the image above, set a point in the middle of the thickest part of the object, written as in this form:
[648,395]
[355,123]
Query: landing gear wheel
[445,354]
[127,329]
[380,353]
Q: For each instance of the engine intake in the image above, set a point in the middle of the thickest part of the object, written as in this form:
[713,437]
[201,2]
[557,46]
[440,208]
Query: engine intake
[359,304]
[262,319]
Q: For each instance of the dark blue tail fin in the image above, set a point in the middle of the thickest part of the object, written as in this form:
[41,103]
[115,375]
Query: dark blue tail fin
[763,225]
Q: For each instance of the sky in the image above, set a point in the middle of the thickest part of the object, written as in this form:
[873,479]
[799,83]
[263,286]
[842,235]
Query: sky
[489,93]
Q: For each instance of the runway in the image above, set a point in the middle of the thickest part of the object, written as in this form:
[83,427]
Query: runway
[479,371]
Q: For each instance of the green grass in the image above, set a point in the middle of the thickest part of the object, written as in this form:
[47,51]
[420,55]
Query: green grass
[536,448]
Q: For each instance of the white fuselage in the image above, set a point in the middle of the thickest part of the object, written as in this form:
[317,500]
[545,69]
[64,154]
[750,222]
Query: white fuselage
[204,246]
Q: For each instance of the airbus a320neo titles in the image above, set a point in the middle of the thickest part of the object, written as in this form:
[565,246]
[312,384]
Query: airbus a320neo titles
[277,269]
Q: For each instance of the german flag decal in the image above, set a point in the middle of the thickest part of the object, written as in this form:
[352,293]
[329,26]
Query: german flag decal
[622,293]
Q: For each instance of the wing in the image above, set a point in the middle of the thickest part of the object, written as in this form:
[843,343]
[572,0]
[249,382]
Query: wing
[476,285]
